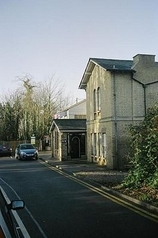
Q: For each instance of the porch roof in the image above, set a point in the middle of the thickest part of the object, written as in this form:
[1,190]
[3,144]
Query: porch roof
[69,124]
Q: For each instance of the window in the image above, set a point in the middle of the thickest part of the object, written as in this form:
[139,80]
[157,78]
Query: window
[99,144]
[56,140]
[98,100]
[104,145]
[94,103]
[91,144]
[95,143]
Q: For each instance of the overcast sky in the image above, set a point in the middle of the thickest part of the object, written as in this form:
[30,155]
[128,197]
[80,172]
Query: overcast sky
[57,37]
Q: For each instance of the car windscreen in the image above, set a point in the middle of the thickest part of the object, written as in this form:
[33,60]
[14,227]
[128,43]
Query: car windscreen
[26,147]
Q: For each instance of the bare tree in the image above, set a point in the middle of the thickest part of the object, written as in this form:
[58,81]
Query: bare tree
[41,101]
[31,108]
[50,97]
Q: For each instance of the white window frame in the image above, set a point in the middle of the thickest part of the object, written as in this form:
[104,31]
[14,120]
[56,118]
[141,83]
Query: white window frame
[94,103]
[98,100]
[95,144]
[104,145]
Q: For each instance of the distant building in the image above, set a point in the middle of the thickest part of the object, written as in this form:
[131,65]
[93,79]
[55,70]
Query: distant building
[76,111]
[68,133]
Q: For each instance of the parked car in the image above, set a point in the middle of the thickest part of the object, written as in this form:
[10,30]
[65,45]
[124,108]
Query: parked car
[9,225]
[5,150]
[26,151]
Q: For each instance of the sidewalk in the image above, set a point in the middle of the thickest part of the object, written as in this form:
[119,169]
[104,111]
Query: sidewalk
[83,168]
[92,172]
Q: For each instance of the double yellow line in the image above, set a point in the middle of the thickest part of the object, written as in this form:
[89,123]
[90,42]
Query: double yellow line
[143,212]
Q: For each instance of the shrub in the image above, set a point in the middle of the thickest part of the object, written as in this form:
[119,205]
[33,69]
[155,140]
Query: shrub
[144,147]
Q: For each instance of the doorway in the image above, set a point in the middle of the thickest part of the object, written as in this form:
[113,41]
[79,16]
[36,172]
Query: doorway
[75,147]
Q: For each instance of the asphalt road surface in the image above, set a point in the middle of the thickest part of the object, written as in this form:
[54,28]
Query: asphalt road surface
[59,205]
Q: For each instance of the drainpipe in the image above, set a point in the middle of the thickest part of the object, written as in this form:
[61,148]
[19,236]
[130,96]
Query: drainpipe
[144,88]
[132,99]
[115,123]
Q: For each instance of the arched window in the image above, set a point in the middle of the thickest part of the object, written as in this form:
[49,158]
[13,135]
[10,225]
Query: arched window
[98,99]
[104,149]
[94,102]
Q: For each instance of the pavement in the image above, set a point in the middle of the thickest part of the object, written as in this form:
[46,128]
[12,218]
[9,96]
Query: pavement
[94,173]
[72,166]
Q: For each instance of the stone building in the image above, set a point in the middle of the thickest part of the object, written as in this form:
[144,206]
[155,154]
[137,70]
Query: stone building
[118,93]
[68,139]
[68,133]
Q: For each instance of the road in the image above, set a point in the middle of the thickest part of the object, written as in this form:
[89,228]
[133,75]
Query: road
[59,205]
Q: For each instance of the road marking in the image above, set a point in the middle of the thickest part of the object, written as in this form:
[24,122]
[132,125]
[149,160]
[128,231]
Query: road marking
[30,214]
[105,194]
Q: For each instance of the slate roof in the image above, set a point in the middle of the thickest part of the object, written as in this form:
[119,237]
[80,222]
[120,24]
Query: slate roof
[113,64]
[70,124]
[107,64]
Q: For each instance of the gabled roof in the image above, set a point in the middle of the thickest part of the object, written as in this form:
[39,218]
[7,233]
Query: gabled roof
[107,64]
[76,104]
[113,64]
[69,124]
[63,113]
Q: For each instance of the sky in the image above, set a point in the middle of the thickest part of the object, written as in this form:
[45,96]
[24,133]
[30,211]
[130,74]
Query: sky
[56,38]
